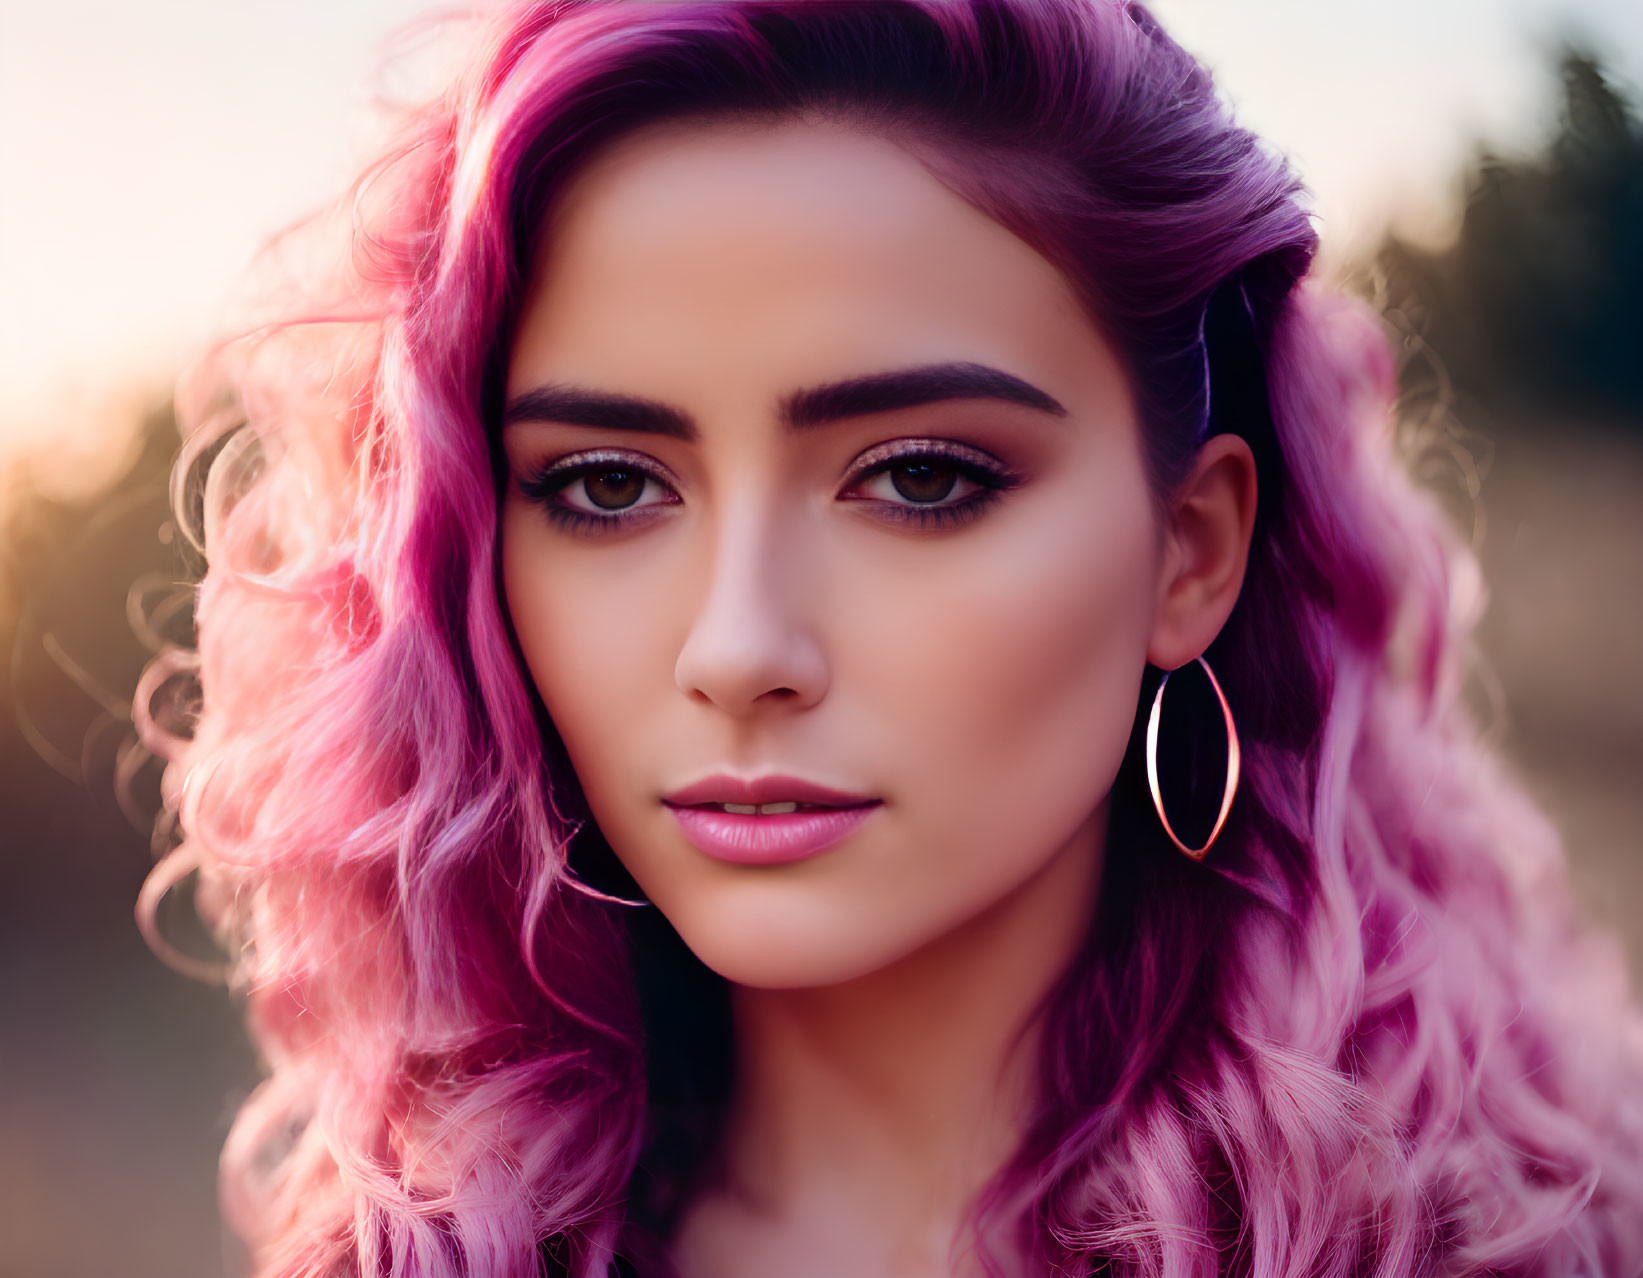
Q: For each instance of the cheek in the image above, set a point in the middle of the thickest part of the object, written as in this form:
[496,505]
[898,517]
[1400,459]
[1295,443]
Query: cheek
[1013,712]
[573,616]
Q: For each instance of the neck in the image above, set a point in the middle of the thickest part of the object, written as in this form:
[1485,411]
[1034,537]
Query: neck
[879,1107]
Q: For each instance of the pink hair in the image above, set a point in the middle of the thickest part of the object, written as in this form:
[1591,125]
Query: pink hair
[1367,1036]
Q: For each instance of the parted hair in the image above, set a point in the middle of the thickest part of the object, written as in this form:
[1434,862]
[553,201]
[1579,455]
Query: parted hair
[1367,1037]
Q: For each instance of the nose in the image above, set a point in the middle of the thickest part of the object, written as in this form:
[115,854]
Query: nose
[752,643]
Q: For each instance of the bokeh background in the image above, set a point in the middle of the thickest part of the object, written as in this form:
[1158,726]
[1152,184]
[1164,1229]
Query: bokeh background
[1478,173]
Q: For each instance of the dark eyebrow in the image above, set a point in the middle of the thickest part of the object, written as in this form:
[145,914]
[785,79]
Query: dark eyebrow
[907,387]
[576,407]
[836,401]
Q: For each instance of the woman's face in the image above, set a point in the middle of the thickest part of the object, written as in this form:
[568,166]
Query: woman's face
[932,589]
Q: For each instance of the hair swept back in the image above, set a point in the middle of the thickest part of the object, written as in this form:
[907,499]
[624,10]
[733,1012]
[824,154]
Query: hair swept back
[1369,1036]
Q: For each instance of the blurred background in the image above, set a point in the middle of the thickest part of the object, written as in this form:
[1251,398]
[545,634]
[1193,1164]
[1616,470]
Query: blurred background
[1477,167]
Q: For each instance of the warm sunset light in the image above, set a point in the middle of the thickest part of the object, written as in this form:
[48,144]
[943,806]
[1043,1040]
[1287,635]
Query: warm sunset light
[149,149]
[587,589]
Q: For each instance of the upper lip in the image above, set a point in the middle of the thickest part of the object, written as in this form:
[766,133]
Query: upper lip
[773,788]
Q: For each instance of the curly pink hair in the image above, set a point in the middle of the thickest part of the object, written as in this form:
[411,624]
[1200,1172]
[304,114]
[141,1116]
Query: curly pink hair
[1367,1036]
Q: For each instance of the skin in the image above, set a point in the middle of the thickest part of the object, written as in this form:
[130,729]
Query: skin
[767,613]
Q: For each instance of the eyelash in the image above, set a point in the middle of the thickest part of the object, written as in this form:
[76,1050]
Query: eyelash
[545,482]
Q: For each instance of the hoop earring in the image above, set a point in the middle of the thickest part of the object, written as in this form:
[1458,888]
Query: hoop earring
[576,883]
[594,894]
[1233,759]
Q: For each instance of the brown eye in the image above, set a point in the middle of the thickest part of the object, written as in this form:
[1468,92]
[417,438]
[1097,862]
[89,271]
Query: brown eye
[613,488]
[921,481]
[930,483]
[598,494]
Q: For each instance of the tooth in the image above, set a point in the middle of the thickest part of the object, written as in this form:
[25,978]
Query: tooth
[742,809]
[771,809]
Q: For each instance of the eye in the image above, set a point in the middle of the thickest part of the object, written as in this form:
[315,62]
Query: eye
[921,483]
[930,483]
[598,492]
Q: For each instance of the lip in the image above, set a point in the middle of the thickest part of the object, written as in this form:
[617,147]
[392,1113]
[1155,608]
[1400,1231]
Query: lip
[774,788]
[768,840]
[752,839]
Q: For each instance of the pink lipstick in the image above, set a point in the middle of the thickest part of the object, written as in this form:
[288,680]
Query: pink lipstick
[768,820]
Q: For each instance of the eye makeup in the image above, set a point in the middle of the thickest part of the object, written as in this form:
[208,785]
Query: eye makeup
[921,476]
[547,484]
[913,462]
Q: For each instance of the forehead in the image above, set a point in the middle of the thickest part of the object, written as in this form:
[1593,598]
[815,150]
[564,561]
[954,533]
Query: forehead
[779,253]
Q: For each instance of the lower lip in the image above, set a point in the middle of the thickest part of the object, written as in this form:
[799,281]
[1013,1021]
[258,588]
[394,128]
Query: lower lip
[752,839]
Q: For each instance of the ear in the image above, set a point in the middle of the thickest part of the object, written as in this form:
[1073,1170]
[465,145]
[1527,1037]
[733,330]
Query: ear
[1206,549]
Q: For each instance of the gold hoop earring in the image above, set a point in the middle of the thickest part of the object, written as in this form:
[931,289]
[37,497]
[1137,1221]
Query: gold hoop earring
[1233,759]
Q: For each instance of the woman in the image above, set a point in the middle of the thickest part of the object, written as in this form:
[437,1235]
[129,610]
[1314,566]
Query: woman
[684,768]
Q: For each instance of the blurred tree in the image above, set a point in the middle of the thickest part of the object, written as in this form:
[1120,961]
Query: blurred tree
[1537,304]
[68,566]
[120,1075]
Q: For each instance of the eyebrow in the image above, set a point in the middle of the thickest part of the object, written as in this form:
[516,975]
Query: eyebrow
[802,410]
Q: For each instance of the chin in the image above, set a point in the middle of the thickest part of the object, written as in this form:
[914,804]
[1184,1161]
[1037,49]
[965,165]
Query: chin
[775,952]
